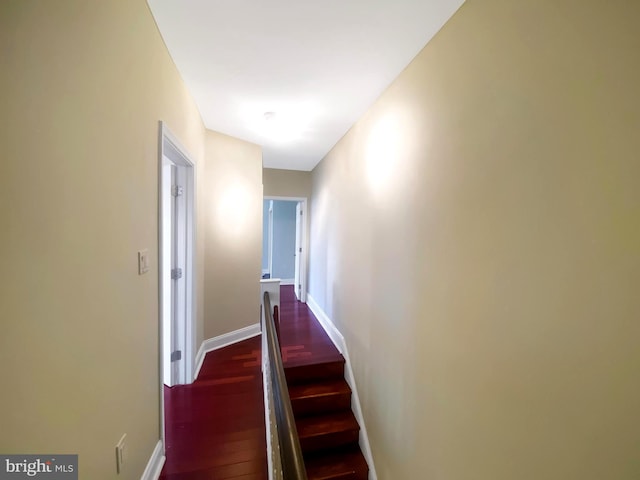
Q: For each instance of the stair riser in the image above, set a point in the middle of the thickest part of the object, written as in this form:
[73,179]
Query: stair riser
[344,476]
[321,404]
[339,465]
[308,373]
[329,441]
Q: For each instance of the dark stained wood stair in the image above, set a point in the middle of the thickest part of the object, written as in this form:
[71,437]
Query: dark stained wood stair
[344,465]
[328,431]
[327,428]
[320,396]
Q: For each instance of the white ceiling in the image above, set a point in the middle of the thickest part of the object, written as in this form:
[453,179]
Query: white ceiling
[317,64]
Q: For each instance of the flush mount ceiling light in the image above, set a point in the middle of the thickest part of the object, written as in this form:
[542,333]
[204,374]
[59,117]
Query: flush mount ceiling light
[284,54]
[280,124]
[282,127]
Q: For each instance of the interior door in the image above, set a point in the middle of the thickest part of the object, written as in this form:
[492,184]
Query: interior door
[168,234]
[298,252]
[178,277]
[174,284]
[174,273]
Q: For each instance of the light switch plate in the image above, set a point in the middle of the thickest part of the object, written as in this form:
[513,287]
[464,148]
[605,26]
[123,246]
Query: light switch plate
[143,262]
[120,454]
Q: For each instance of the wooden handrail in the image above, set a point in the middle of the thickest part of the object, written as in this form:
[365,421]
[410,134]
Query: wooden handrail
[289,443]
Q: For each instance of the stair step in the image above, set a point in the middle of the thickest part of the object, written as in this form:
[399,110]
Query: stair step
[345,465]
[320,397]
[327,431]
[316,371]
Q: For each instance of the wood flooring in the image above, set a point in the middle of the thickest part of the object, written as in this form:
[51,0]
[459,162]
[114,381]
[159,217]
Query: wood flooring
[215,427]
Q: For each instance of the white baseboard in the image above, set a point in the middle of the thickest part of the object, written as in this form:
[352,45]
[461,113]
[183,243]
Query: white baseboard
[338,340]
[155,464]
[287,281]
[225,340]
[334,334]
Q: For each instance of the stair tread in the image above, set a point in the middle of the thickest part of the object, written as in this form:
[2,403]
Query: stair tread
[326,424]
[319,388]
[320,357]
[318,360]
[345,464]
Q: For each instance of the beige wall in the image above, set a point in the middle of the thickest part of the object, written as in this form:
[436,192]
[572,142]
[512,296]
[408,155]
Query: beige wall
[476,238]
[286,183]
[233,182]
[83,89]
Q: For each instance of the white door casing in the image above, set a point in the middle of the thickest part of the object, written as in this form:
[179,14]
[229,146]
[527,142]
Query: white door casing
[301,257]
[174,267]
[176,261]
[297,286]
[270,239]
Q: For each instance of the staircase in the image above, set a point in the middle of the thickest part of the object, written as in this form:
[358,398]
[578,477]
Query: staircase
[327,428]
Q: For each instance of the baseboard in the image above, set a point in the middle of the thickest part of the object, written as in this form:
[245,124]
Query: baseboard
[334,334]
[338,340]
[155,464]
[224,340]
[287,281]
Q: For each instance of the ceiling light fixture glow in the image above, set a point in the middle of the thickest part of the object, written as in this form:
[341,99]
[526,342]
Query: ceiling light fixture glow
[283,128]
[280,123]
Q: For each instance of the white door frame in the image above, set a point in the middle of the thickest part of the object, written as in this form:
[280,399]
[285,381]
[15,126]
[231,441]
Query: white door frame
[170,148]
[270,240]
[304,258]
[297,284]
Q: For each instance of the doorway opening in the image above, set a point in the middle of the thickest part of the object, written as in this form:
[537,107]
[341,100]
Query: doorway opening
[176,252]
[284,243]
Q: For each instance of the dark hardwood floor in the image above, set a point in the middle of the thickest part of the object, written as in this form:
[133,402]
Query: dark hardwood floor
[302,340]
[215,427]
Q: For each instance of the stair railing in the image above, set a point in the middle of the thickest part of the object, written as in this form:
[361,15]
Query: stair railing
[287,462]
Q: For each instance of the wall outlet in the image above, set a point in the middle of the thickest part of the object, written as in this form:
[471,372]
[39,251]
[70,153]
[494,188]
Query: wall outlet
[120,454]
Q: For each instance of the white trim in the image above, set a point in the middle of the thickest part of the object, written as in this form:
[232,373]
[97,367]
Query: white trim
[267,413]
[271,285]
[273,453]
[179,155]
[338,340]
[224,340]
[284,199]
[326,323]
[287,281]
[171,148]
[270,240]
[155,463]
